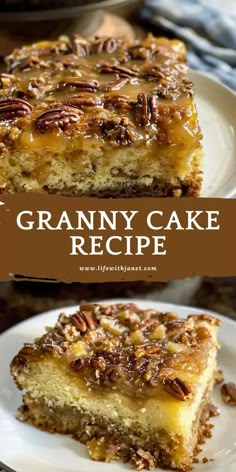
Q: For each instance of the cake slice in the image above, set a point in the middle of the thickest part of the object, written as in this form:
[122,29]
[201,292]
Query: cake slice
[129,383]
[106,118]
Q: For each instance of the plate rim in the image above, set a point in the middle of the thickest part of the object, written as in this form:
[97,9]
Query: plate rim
[210,78]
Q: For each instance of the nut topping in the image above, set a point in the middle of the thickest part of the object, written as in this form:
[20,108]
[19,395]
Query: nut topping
[121,71]
[11,108]
[124,347]
[106,44]
[83,321]
[85,85]
[83,101]
[119,130]
[140,52]
[142,109]
[146,109]
[228,392]
[59,118]
[177,388]
[80,46]
[118,101]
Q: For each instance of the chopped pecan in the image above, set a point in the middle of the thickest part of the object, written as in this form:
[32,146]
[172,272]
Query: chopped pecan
[98,363]
[80,46]
[121,71]
[118,101]
[177,388]
[80,364]
[11,108]
[6,80]
[83,320]
[213,410]
[149,324]
[84,85]
[83,101]
[119,130]
[175,327]
[58,118]
[109,376]
[143,460]
[106,44]
[28,63]
[219,378]
[228,392]
[140,52]
[51,349]
[62,46]
[169,316]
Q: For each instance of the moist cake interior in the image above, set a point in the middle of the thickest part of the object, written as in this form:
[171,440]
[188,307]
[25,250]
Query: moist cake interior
[129,383]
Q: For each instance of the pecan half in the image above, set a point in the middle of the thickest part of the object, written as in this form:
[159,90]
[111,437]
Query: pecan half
[177,388]
[85,85]
[83,321]
[11,108]
[114,85]
[57,118]
[118,101]
[106,44]
[80,46]
[146,109]
[153,108]
[83,101]
[142,109]
[121,71]
[228,392]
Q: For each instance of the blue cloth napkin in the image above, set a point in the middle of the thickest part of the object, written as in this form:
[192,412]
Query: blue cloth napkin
[209,32]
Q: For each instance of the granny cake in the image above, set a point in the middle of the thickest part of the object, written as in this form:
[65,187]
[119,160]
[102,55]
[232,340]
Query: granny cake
[129,383]
[107,117]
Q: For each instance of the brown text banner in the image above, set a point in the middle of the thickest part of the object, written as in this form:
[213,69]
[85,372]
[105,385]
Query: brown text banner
[98,240]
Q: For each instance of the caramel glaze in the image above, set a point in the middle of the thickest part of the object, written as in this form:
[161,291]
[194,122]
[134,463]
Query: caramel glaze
[141,353]
[107,90]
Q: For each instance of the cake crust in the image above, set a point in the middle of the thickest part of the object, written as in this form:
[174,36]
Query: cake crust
[121,366]
[106,117]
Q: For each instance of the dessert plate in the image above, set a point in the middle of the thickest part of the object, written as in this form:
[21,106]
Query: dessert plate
[216,107]
[25,449]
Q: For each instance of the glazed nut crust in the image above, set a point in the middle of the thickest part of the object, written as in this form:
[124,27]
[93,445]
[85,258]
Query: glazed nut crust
[73,86]
[124,346]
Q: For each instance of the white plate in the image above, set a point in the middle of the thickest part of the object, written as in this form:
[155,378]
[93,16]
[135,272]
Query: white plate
[26,449]
[216,107]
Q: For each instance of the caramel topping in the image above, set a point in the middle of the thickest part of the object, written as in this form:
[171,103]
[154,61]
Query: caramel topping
[123,347]
[107,88]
